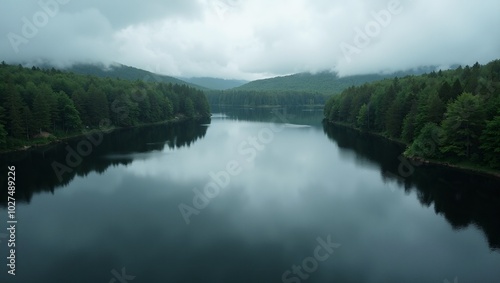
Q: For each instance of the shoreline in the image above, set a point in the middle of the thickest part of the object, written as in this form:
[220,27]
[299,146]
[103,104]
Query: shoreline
[475,169]
[58,140]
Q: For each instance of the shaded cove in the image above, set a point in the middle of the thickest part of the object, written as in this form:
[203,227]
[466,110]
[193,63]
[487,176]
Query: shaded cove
[35,168]
[464,199]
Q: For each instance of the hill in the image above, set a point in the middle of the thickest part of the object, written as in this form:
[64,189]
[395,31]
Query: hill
[126,73]
[215,83]
[323,82]
[448,116]
[38,106]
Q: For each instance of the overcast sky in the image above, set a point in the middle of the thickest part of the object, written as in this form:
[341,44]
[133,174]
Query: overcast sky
[250,39]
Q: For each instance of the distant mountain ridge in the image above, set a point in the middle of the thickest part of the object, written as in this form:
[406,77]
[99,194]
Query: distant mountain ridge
[323,82]
[126,73]
[215,83]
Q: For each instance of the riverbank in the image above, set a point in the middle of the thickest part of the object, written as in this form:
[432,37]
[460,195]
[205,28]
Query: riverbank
[52,139]
[462,166]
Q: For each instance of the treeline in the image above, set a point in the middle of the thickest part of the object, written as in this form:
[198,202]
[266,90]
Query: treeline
[451,115]
[125,72]
[323,82]
[37,103]
[236,98]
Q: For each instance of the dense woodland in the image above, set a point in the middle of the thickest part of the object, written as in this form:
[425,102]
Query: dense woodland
[303,89]
[40,104]
[451,116]
[125,72]
[242,98]
[323,82]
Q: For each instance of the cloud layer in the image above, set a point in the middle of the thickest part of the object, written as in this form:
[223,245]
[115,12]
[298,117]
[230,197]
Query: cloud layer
[246,39]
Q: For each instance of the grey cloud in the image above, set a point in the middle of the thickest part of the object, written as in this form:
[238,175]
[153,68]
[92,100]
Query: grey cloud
[258,38]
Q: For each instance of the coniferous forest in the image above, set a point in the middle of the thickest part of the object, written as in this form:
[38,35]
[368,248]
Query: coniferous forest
[449,116]
[41,105]
[252,98]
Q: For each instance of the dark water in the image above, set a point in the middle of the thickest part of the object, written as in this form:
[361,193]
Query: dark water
[287,201]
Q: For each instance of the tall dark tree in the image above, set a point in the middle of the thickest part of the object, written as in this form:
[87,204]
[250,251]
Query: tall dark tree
[14,106]
[462,125]
[490,142]
[98,109]
[41,113]
[456,90]
[445,92]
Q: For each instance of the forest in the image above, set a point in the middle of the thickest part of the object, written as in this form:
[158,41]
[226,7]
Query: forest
[322,82]
[243,98]
[37,105]
[450,116]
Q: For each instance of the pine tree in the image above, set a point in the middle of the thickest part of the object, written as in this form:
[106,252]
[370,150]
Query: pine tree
[462,125]
[14,106]
[490,142]
[189,108]
[445,92]
[98,109]
[362,118]
[456,90]
[41,113]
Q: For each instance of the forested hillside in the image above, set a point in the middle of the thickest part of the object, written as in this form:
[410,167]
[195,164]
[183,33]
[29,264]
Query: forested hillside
[451,116]
[41,104]
[214,83]
[127,73]
[236,98]
[323,82]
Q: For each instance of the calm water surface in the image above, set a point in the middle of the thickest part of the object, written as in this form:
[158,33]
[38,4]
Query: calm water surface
[251,196]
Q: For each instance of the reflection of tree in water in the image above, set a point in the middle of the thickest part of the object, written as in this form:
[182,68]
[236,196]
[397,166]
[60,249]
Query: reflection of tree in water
[34,171]
[293,115]
[464,199]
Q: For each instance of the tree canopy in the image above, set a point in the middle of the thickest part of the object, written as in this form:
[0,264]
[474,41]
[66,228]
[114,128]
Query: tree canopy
[36,102]
[452,115]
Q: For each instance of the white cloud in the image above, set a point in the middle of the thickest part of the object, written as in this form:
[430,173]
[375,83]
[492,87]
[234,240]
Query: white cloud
[254,39]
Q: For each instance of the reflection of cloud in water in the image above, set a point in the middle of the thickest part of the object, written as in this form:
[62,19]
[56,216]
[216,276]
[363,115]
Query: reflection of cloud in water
[297,126]
[135,156]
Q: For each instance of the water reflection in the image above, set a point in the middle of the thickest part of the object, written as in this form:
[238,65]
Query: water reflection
[120,147]
[299,187]
[291,115]
[464,199]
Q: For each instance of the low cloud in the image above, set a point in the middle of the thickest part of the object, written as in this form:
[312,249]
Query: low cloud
[246,39]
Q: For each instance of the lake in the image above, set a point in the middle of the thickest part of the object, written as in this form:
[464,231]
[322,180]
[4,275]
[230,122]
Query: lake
[248,196]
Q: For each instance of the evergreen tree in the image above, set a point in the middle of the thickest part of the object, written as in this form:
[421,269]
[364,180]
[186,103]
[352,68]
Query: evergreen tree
[14,106]
[445,92]
[490,142]
[189,108]
[362,118]
[41,113]
[98,109]
[456,90]
[462,125]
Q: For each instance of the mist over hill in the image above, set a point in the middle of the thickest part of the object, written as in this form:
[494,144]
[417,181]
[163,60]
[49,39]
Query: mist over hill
[215,83]
[126,72]
[324,82]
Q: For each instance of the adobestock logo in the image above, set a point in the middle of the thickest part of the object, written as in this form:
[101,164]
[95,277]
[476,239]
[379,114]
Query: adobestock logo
[372,29]
[30,28]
